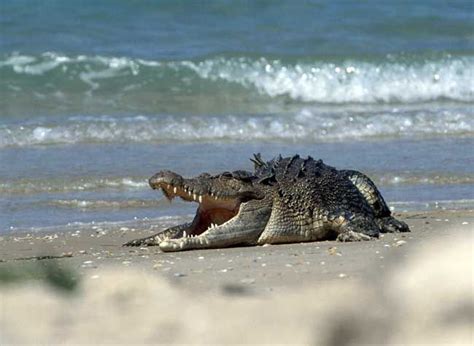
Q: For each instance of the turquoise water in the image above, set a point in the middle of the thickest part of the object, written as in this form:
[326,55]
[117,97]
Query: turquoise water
[98,96]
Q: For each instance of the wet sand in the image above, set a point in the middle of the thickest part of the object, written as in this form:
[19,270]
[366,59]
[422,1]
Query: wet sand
[295,293]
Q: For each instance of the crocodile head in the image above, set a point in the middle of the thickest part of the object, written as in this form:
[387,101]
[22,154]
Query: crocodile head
[219,196]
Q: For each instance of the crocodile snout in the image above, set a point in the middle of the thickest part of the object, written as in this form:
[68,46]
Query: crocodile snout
[165,178]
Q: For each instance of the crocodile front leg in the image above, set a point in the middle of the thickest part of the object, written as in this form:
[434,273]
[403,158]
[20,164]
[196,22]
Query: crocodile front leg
[156,239]
[244,229]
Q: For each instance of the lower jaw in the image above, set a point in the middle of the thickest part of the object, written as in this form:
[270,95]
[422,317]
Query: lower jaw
[209,219]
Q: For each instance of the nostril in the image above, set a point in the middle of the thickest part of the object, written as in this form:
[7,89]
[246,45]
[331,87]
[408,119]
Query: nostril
[154,182]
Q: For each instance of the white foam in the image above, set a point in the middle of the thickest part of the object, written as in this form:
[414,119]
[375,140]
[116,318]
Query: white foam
[72,185]
[351,81]
[17,60]
[309,124]
[40,133]
[104,204]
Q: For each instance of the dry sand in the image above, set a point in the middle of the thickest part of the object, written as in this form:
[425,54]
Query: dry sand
[402,288]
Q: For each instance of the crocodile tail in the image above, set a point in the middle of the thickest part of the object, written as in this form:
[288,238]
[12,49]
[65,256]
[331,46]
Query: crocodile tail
[369,191]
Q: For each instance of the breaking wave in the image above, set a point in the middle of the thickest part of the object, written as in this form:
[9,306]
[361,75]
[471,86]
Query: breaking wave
[350,81]
[307,125]
[394,79]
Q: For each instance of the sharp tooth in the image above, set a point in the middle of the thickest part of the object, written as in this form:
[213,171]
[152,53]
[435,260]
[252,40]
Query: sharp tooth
[184,234]
[194,196]
[200,199]
[175,189]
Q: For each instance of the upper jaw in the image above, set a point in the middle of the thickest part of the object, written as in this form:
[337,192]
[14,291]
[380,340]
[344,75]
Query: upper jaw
[172,185]
[197,189]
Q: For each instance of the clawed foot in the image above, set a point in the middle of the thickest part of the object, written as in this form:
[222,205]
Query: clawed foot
[148,241]
[352,236]
[391,225]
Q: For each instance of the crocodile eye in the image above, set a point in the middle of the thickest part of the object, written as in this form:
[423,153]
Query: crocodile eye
[226,175]
[243,176]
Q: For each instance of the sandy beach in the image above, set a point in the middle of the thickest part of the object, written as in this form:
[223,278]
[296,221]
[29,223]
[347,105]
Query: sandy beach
[205,296]
[260,268]
[96,97]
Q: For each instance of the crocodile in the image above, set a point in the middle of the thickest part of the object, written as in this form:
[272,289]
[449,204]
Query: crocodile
[284,200]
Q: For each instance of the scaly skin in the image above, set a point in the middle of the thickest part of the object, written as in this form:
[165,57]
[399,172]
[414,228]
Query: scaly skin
[284,200]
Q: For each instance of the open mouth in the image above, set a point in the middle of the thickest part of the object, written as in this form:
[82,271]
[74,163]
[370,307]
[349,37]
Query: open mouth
[213,210]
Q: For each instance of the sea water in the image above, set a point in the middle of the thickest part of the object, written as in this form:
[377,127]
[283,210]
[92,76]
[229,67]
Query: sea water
[95,97]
